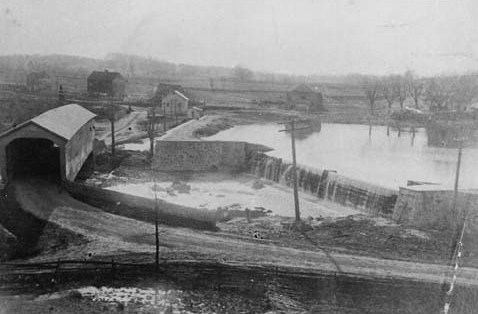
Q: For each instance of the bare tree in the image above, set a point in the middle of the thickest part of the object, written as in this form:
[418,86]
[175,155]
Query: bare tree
[415,87]
[388,91]
[211,83]
[438,93]
[223,82]
[243,74]
[371,88]
[464,91]
[401,90]
[38,81]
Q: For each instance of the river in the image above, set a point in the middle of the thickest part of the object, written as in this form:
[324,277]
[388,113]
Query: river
[368,155]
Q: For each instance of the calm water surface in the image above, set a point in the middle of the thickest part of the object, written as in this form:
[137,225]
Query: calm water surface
[347,148]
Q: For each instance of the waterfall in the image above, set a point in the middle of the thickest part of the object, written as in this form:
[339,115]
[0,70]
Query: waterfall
[326,184]
[286,177]
[269,169]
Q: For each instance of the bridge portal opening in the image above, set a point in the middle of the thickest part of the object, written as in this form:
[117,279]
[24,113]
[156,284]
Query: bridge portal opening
[38,157]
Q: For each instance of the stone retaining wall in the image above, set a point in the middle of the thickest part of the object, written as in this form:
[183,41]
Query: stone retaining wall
[143,208]
[202,155]
[432,206]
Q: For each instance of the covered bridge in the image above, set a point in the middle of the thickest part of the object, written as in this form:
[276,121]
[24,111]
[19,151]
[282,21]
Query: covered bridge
[54,144]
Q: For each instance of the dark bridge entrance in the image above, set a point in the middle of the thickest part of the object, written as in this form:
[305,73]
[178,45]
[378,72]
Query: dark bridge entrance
[33,157]
[54,145]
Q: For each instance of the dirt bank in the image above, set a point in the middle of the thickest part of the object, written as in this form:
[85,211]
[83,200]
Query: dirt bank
[333,226]
[209,287]
[129,240]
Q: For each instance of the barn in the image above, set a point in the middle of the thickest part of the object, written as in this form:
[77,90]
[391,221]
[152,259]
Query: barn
[305,98]
[106,83]
[54,145]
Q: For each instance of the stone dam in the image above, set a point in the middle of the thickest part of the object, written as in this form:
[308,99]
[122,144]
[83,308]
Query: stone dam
[418,205]
[251,158]
[325,184]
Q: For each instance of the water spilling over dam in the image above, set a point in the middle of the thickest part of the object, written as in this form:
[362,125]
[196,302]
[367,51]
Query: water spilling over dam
[326,184]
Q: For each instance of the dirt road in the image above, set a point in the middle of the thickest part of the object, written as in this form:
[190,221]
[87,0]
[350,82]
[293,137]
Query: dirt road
[185,131]
[125,128]
[112,235]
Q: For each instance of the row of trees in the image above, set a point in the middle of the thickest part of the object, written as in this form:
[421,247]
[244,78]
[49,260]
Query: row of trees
[438,93]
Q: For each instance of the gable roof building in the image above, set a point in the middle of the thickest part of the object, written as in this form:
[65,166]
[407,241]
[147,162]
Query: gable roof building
[163,89]
[59,140]
[64,121]
[106,82]
[304,97]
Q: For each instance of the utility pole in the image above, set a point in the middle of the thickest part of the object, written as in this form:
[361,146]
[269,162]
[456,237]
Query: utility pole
[457,174]
[152,121]
[290,126]
[152,134]
[458,240]
[112,117]
[156,218]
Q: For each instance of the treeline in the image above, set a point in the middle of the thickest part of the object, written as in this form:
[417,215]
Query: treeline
[441,93]
[15,68]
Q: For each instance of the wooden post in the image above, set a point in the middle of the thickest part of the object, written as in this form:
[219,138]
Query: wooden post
[112,120]
[294,173]
[457,177]
[156,231]
[413,135]
[112,137]
[156,218]
[152,132]
[292,130]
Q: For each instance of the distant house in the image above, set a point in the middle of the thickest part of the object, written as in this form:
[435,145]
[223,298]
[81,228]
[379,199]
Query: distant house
[305,98]
[106,83]
[173,104]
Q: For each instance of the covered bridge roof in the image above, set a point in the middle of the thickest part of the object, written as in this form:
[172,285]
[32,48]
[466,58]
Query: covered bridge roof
[63,121]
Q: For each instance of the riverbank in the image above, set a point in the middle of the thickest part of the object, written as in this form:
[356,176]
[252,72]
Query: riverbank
[329,225]
[351,232]
[371,249]
[335,114]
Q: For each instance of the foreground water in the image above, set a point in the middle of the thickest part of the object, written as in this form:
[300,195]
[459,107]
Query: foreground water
[365,154]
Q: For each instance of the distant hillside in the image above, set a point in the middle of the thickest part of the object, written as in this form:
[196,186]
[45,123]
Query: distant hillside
[14,68]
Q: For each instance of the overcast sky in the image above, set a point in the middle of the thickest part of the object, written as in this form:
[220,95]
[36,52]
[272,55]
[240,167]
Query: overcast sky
[296,36]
